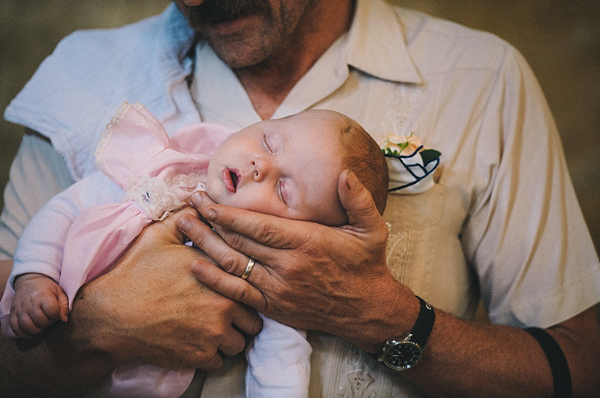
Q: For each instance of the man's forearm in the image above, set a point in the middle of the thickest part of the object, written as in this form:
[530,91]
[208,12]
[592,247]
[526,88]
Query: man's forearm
[468,359]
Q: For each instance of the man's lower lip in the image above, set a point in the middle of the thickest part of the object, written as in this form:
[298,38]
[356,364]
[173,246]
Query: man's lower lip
[227,25]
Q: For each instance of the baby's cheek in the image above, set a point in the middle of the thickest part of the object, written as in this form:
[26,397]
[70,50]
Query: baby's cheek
[254,204]
[262,204]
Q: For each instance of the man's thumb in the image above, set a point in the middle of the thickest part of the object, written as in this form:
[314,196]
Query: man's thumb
[357,201]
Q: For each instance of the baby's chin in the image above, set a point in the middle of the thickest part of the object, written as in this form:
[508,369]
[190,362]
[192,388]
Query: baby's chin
[212,194]
[220,198]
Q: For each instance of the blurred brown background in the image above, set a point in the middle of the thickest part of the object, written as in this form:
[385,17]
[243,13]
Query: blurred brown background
[560,39]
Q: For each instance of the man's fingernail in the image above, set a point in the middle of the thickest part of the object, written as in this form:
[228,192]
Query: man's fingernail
[209,214]
[183,224]
[352,181]
[196,199]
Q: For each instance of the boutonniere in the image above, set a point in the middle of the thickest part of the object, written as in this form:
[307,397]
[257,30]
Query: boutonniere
[410,165]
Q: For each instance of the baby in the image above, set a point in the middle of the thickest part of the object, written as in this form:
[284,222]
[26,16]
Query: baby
[286,167]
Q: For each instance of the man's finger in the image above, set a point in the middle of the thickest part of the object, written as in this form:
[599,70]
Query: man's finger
[170,224]
[246,321]
[234,344]
[229,285]
[262,228]
[213,245]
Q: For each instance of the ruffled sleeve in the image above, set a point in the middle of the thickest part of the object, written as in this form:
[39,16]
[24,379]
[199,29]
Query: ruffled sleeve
[135,144]
[130,140]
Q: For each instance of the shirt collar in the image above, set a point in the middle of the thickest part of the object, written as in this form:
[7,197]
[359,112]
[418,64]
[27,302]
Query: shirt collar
[177,37]
[376,44]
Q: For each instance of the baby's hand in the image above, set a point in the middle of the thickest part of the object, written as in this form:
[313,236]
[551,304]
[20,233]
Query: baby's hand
[38,302]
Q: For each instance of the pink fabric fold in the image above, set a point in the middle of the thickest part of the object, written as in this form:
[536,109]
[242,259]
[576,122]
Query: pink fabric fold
[96,239]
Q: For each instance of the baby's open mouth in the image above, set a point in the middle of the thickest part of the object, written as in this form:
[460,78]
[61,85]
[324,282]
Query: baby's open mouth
[231,178]
[234,178]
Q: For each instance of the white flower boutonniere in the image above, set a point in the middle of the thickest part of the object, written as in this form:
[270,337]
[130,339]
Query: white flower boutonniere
[410,165]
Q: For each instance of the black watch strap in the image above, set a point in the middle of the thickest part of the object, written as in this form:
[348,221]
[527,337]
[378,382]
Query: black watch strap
[424,324]
[401,353]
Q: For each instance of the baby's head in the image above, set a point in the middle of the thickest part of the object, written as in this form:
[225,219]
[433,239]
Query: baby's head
[289,167]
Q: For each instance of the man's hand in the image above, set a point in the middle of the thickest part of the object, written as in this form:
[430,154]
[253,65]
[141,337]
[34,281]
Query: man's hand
[151,308]
[307,275]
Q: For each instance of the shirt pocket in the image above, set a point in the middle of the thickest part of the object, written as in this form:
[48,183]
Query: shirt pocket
[409,217]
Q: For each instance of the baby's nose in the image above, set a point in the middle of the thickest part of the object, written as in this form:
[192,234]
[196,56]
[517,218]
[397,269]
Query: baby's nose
[261,167]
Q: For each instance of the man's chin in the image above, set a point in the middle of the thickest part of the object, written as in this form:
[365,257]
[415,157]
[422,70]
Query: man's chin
[239,52]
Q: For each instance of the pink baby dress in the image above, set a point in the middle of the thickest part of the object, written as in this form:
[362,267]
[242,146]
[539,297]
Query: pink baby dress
[157,174]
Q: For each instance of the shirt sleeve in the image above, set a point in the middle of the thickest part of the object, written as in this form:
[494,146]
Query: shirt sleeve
[37,168]
[526,235]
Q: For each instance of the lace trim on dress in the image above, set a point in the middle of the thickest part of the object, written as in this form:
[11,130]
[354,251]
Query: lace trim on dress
[158,198]
[100,148]
[189,181]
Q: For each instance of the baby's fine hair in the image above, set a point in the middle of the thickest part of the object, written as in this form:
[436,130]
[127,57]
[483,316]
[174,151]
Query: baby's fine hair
[364,158]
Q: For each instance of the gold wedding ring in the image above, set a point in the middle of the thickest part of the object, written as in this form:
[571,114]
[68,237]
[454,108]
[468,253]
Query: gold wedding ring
[248,269]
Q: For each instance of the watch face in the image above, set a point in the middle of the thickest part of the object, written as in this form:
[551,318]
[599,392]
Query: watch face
[402,355]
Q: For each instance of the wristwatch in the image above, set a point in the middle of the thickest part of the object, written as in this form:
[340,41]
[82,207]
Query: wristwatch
[403,353]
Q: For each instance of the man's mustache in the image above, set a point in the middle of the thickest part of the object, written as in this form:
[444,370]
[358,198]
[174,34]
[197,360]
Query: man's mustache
[213,11]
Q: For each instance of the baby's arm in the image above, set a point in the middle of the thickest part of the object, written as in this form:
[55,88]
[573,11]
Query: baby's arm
[38,302]
[40,248]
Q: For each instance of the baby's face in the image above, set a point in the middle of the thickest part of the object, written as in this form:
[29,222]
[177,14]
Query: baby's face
[285,167]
